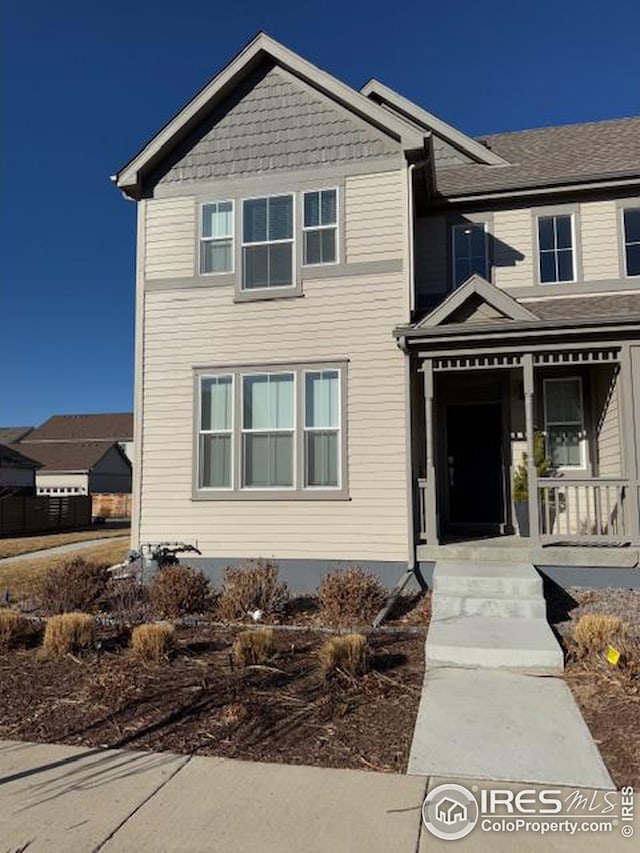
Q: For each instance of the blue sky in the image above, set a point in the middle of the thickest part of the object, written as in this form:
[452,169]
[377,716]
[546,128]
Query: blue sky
[84,84]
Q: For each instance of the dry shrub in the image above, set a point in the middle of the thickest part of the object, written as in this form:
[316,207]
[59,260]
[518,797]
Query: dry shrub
[350,597]
[349,654]
[69,632]
[14,629]
[153,642]
[76,585]
[178,591]
[251,648]
[246,589]
[593,632]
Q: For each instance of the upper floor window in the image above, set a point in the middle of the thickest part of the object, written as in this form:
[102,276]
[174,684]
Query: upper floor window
[564,422]
[469,252]
[555,248]
[267,242]
[216,238]
[320,227]
[632,240]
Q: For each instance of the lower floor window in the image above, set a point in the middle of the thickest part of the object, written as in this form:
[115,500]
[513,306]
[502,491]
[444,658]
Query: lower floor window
[271,429]
[564,422]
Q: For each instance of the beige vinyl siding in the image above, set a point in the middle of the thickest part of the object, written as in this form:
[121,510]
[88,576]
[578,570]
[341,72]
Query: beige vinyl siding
[599,226]
[375,220]
[513,250]
[607,414]
[342,318]
[50,479]
[170,238]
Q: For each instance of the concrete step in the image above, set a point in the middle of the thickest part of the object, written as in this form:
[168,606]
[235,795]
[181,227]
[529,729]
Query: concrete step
[494,642]
[513,580]
[522,607]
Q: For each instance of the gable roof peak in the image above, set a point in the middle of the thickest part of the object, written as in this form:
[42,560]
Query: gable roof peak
[476,286]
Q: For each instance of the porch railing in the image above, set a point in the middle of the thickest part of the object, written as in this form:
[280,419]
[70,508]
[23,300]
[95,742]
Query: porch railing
[422,492]
[583,510]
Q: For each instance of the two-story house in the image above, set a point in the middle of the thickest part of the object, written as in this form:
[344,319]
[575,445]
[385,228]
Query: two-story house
[352,318]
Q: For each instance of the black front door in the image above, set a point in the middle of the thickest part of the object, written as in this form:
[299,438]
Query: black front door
[475,468]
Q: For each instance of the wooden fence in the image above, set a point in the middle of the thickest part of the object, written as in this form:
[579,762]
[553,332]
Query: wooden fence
[21,514]
[115,505]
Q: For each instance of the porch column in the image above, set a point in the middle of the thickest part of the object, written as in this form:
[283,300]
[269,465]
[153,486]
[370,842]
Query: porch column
[532,474]
[629,439]
[431,517]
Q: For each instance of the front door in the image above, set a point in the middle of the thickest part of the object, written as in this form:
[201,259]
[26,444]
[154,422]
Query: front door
[475,477]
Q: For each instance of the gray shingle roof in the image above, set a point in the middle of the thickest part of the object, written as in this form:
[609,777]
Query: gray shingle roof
[66,456]
[586,307]
[549,156]
[9,435]
[113,426]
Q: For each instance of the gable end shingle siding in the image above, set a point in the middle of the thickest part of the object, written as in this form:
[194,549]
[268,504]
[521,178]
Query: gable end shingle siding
[279,123]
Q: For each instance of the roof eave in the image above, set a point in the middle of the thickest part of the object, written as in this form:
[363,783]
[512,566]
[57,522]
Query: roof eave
[606,182]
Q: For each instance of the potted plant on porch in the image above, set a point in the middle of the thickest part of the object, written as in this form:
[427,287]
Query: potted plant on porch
[521,481]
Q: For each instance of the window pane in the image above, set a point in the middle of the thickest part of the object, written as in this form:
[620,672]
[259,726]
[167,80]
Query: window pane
[469,248]
[321,399]
[564,445]
[322,459]
[463,271]
[328,241]
[563,401]
[215,461]
[280,217]
[216,403]
[477,240]
[255,220]
[632,225]
[565,265]
[633,259]
[563,232]
[546,232]
[268,401]
[329,207]
[217,219]
[280,266]
[547,266]
[311,209]
[268,460]
[255,266]
[312,247]
[216,256]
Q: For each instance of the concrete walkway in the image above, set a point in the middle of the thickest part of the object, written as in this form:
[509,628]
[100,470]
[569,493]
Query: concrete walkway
[70,548]
[62,799]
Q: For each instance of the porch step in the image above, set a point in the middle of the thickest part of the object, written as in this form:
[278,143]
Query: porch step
[497,604]
[486,579]
[494,642]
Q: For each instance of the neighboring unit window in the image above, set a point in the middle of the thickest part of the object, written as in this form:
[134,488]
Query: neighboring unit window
[632,240]
[322,428]
[320,227]
[564,422]
[267,242]
[469,251]
[268,424]
[216,238]
[216,432]
[555,244]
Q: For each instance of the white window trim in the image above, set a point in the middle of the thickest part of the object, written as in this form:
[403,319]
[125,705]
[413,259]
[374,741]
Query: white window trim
[202,239]
[335,226]
[454,228]
[230,432]
[555,251]
[626,242]
[291,240]
[286,430]
[337,430]
[547,423]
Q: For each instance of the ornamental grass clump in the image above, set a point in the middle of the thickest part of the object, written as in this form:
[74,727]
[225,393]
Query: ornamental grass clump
[594,632]
[347,654]
[350,597]
[68,633]
[15,630]
[252,589]
[254,647]
[153,642]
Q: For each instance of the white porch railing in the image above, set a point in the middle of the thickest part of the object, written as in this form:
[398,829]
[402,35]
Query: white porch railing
[583,510]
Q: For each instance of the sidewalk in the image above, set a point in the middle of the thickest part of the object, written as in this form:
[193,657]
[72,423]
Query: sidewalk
[69,548]
[61,799]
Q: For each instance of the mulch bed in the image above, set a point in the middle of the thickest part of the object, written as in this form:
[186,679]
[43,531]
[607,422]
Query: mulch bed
[201,703]
[608,697]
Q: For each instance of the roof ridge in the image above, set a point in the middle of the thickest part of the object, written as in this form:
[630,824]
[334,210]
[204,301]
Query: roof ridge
[502,133]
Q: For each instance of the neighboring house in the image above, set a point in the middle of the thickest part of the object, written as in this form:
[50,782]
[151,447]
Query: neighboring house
[17,472]
[352,318]
[110,427]
[79,468]
[11,435]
